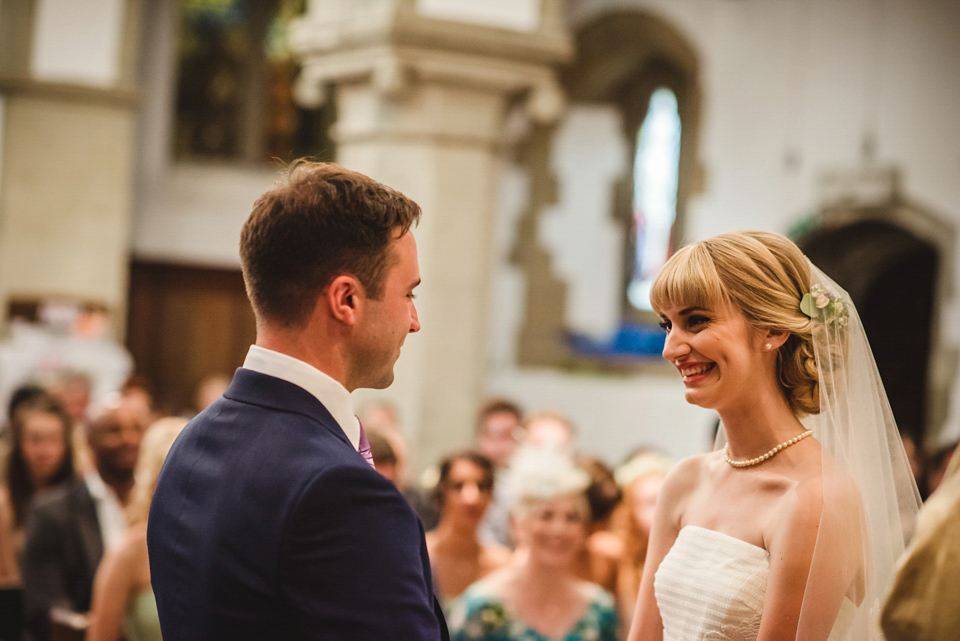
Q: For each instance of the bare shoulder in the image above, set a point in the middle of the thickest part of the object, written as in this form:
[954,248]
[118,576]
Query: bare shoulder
[130,550]
[494,556]
[606,545]
[497,582]
[688,474]
[829,499]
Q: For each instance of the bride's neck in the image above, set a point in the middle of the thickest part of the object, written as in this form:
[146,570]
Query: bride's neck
[753,427]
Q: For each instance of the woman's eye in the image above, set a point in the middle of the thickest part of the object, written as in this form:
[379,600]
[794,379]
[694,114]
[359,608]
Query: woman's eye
[694,321]
[664,325]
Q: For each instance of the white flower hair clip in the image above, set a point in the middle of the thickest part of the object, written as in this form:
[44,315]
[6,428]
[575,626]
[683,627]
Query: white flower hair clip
[823,305]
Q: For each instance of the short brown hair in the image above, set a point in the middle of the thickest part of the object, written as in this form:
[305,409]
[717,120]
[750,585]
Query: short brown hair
[446,466]
[318,222]
[496,406]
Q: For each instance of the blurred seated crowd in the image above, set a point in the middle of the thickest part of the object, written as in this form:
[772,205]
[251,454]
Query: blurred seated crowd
[528,536]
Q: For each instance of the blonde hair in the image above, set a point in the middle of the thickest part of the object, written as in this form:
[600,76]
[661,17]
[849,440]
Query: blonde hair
[545,472]
[629,475]
[157,441]
[765,276]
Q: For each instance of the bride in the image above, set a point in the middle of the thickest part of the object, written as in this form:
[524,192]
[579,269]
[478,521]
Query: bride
[790,529]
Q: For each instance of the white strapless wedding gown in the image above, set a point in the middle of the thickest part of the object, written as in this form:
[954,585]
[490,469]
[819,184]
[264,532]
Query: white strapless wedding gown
[710,587]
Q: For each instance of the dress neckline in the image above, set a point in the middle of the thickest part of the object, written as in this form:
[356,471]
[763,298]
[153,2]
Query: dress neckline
[753,549]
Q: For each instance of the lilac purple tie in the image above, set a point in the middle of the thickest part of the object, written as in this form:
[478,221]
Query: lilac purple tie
[364,446]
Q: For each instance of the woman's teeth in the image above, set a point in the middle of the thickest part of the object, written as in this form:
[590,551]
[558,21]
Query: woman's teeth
[695,370]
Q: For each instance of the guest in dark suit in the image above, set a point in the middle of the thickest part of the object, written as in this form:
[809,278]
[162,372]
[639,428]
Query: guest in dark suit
[69,527]
[268,522]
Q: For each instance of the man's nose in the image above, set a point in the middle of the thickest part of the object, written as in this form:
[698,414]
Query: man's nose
[414,320]
[131,435]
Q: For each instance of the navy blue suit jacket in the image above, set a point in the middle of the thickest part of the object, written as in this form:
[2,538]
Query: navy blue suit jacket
[267,524]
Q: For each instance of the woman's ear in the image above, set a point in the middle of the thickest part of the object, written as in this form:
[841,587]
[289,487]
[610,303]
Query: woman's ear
[343,298]
[775,338]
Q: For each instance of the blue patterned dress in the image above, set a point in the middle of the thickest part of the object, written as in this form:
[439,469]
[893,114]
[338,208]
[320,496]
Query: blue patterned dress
[480,616]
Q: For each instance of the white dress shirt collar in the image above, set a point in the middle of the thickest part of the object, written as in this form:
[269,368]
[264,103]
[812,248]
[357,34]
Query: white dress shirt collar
[328,391]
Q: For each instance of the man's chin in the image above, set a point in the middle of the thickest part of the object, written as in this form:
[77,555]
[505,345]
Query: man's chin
[382,382]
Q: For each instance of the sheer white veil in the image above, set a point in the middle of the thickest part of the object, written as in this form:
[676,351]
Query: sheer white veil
[870,498]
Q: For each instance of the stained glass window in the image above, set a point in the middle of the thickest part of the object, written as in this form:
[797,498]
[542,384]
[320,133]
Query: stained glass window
[654,193]
[235,84]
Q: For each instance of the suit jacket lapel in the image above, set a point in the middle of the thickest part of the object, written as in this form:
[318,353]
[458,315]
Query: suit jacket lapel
[253,387]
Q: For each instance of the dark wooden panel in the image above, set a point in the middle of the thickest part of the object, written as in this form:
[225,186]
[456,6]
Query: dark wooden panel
[184,324]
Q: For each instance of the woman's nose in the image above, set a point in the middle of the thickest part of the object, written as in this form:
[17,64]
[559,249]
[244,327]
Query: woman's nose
[674,346]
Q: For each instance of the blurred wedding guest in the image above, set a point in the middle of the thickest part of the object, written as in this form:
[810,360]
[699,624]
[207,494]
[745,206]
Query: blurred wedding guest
[641,477]
[538,594]
[937,465]
[210,389]
[457,556]
[551,429]
[68,528]
[918,464]
[123,603]
[382,417]
[390,461]
[40,458]
[74,389]
[498,432]
[600,559]
[9,568]
[10,532]
[922,602]
[136,395]
[384,456]
[20,394]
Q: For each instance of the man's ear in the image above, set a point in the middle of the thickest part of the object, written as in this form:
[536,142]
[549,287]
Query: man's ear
[343,297]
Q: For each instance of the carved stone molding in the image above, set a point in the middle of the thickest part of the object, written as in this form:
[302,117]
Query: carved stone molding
[390,45]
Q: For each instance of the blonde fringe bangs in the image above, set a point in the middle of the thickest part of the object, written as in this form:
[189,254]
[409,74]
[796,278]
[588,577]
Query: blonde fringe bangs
[689,279]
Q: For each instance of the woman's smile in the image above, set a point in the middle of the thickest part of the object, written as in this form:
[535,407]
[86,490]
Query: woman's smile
[695,372]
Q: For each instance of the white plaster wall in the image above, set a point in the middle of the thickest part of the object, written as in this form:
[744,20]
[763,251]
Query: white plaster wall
[519,15]
[77,41]
[3,105]
[193,214]
[790,90]
[589,156]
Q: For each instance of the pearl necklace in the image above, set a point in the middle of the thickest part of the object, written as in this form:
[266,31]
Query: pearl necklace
[763,457]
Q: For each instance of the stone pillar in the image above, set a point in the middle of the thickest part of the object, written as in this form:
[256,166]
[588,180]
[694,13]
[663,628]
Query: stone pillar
[68,88]
[422,89]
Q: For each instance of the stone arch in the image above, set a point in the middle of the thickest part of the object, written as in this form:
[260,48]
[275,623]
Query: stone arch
[891,275]
[623,55]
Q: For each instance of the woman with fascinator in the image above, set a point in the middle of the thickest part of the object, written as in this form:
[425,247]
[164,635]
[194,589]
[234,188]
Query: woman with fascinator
[790,529]
[538,596]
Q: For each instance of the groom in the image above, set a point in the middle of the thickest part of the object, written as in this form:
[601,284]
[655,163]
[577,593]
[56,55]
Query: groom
[269,521]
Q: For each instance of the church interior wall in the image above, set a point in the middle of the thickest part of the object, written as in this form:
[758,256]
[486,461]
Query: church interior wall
[792,92]
[67,79]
